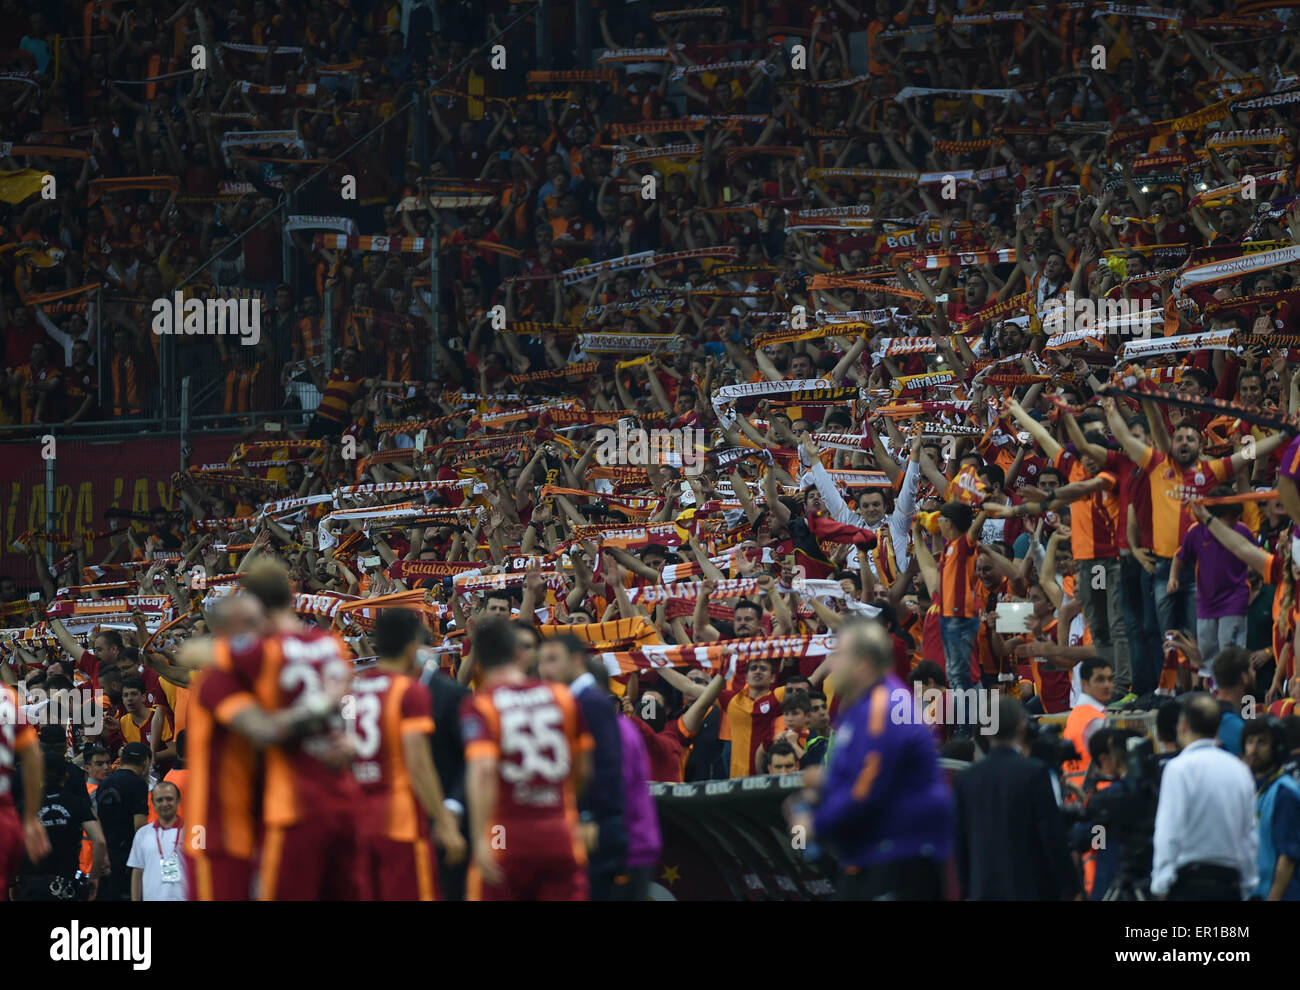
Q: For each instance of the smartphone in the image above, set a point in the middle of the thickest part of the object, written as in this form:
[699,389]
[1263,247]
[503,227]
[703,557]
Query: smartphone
[273,427]
[788,561]
[369,563]
[309,540]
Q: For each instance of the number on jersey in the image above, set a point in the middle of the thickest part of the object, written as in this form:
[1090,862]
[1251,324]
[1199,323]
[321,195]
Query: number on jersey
[535,737]
[365,726]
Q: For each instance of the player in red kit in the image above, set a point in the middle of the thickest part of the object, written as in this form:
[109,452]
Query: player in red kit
[527,753]
[391,717]
[287,684]
[19,742]
[226,729]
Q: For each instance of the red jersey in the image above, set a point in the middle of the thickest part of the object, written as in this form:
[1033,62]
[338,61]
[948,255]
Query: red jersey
[667,750]
[280,671]
[89,665]
[932,637]
[1051,684]
[155,693]
[534,731]
[985,660]
[1094,520]
[223,797]
[388,706]
[1131,480]
[957,578]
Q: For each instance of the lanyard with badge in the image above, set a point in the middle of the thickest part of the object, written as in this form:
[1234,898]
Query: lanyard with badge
[171,867]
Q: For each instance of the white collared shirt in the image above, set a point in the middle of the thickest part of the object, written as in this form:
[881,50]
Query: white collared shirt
[1087,699]
[151,850]
[582,683]
[1206,814]
[899,521]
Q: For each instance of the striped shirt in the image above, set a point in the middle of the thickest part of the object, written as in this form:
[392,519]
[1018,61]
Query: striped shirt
[340,392]
[126,386]
[400,365]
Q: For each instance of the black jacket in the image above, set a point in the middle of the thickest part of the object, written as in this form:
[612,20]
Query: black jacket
[448,747]
[603,798]
[1011,837]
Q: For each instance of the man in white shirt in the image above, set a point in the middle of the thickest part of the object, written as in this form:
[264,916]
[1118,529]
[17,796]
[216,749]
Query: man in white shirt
[157,870]
[1206,841]
[896,525]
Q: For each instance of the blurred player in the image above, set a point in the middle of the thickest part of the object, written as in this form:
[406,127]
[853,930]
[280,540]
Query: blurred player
[391,716]
[528,754]
[19,741]
[223,794]
[281,690]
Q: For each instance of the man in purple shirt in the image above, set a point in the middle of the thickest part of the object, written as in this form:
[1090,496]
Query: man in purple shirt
[1286,480]
[883,806]
[1222,592]
[640,819]
[644,842]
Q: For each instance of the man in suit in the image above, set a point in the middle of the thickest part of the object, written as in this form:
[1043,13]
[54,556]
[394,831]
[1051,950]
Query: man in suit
[1011,839]
[449,761]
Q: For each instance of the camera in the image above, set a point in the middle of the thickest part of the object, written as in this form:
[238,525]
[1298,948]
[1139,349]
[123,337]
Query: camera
[1047,744]
[1127,810]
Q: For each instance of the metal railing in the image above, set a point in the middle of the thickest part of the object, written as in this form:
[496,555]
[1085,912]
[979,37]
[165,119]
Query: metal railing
[118,430]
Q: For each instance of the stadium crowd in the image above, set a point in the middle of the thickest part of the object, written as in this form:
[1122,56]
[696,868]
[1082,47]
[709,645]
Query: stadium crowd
[965,332]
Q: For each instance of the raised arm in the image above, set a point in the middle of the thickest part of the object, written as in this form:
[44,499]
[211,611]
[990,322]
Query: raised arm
[1081,442]
[1260,450]
[1035,429]
[925,559]
[1251,554]
[694,716]
[1135,448]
